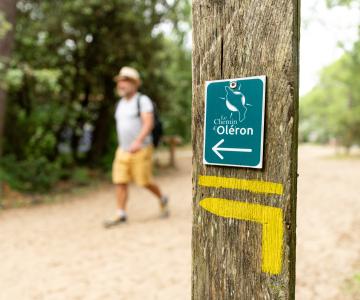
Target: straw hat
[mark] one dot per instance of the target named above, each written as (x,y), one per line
(128,73)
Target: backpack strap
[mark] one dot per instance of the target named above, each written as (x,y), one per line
(138,105)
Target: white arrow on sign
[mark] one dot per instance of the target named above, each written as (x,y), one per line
(216,149)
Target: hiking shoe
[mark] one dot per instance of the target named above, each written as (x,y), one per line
(115,221)
(164,207)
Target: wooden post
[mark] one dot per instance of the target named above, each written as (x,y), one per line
(243,246)
(172,141)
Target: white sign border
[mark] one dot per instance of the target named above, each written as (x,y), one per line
(260,164)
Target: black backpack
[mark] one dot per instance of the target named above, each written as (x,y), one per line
(158,130)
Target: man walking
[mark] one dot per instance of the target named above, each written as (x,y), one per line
(134,117)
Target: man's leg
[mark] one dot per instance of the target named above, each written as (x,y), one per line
(121,190)
(154,188)
(120,173)
(121,196)
(142,173)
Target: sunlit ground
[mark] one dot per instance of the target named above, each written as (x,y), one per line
(60,251)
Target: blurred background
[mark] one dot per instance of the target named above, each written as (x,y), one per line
(57,70)
(58,138)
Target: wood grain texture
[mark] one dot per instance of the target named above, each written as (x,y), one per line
(239,38)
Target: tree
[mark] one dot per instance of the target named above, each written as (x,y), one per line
(60,78)
(332,3)
(332,109)
(7,22)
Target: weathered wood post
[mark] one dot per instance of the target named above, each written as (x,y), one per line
(244,218)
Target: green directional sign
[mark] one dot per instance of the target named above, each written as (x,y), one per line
(234,122)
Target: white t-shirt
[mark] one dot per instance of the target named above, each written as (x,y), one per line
(128,121)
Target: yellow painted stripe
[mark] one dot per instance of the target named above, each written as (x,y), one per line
(271,219)
(255,186)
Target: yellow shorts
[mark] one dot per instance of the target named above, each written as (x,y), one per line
(135,167)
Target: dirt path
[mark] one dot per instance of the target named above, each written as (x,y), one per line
(60,251)
(328,243)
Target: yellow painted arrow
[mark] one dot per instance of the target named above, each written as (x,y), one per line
(271,219)
(254,186)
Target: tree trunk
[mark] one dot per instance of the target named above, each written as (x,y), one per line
(8,7)
(103,123)
(233,39)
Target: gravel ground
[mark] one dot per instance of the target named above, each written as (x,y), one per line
(60,251)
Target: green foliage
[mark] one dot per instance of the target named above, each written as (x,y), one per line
(177,117)
(14,78)
(29,175)
(5,26)
(332,109)
(348,3)
(61,74)
(80,176)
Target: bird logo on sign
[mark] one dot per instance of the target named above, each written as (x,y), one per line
(236,102)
